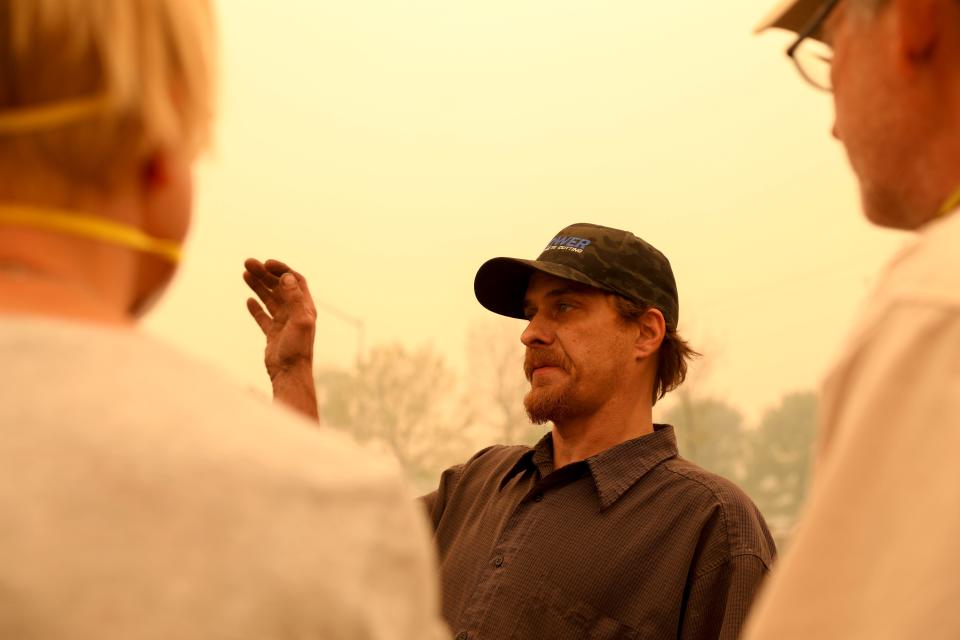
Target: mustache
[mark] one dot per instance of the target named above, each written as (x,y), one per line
(534,359)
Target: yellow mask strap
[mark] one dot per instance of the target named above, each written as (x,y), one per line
(90,227)
(950,204)
(36,118)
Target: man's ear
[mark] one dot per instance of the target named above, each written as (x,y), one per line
(653,329)
(918,28)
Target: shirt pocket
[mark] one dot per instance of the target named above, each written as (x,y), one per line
(550,612)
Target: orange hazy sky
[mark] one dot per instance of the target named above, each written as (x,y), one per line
(386,148)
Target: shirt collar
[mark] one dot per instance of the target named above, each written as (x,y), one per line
(524,462)
(614,470)
(619,468)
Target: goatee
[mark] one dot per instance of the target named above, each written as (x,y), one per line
(546,405)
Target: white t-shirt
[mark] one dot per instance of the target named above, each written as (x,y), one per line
(877,550)
(142,497)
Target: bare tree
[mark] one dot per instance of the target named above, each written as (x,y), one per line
(497,382)
(404,400)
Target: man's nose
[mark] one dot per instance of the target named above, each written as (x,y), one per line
(538,332)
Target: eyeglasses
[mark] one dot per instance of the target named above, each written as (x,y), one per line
(812,56)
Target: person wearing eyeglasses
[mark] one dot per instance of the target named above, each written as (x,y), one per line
(141,496)
(875,553)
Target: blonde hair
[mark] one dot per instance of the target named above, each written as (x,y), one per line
(144,68)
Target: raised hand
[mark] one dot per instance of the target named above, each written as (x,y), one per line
(289,324)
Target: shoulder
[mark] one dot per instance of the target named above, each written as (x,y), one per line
(496,456)
(902,349)
(125,396)
(912,315)
(926,270)
(489,462)
(138,435)
(483,471)
(730,514)
(924,276)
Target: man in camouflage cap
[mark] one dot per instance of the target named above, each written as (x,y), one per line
(600,530)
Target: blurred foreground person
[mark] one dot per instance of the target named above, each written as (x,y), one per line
(141,496)
(601,530)
(875,553)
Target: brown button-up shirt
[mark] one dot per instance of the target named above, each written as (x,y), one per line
(634,542)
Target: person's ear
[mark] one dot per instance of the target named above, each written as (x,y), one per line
(166,194)
(652,330)
(918,28)
(155,171)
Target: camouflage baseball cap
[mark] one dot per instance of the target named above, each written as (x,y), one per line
(608,259)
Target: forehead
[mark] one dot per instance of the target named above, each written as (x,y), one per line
(543,284)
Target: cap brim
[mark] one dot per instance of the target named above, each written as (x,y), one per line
(501,283)
(792,15)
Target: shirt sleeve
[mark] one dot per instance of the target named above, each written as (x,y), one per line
(870,558)
(435,502)
(720,599)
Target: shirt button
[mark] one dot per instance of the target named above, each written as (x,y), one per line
(463,635)
(498,561)
(538,497)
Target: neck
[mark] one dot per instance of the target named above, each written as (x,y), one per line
(23,291)
(46,273)
(580,438)
(951,204)
(942,181)
(937,173)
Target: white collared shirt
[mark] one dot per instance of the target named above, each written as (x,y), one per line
(878,546)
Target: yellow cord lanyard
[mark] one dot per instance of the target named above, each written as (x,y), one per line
(90,227)
(950,204)
(48,116)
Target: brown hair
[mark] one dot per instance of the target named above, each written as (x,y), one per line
(674,354)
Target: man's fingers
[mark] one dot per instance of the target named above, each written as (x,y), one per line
(289,290)
(303,285)
(259,271)
(265,278)
(276,267)
(267,296)
(307,299)
(302,312)
(261,317)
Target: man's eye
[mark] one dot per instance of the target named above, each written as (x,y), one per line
(563,307)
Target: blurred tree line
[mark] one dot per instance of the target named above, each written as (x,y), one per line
(771,461)
(411,403)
